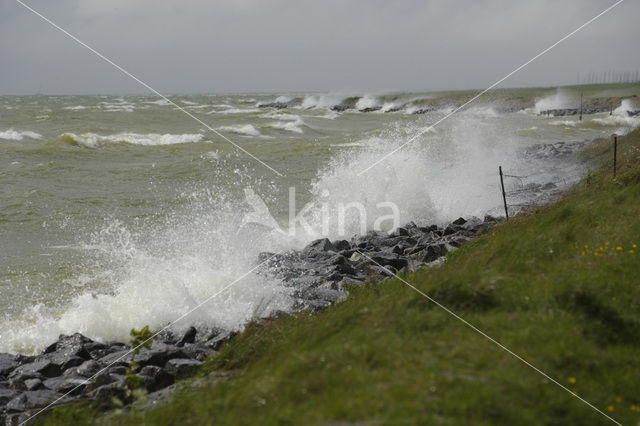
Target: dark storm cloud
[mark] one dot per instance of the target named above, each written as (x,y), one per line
(292,45)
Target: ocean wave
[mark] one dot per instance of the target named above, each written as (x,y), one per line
(92,140)
(17,135)
(235,111)
(75,108)
(567,123)
(241,129)
(559,100)
(289,126)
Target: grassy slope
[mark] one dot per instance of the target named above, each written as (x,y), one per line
(388,355)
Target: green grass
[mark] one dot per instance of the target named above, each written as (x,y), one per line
(552,286)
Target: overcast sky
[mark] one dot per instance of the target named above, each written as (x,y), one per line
(196,46)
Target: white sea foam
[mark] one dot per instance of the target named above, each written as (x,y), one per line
(236,111)
(92,140)
(321,101)
(18,135)
(153,276)
(559,100)
(75,108)
(289,126)
(566,123)
(241,129)
(366,102)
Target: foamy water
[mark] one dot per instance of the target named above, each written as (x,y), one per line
(132,219)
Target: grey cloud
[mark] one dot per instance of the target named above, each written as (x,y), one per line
(288,45)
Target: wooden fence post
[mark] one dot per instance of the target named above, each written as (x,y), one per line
(615,154)
(504,195)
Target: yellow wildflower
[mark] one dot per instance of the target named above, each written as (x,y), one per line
(634,246)
(572,380)
(618,399)
(618,248)
(610,408)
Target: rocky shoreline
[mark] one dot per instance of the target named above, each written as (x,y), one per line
(76,368)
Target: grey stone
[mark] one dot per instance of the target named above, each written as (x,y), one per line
(6,395)
(188,337)
(104,394)
(43,367)
(74,385)
(33,399)
(341,245)
(101,379)
(121,357)
(88,368)
(389,259)
(158,355)
(33,384)
(197,351)
(8,363)
(320,245)
(182,368)
(155,378)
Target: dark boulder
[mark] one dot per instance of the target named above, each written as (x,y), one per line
(188,337)
(33,399)
(389,259)
(182,368)
(88,368)
(155,378)
(341,245)
(105,394)
(158,355)
(33,384)
(122,357)
(6,395)
(66,384)
(42,367)
(459,221)
(8,363)
(320,245)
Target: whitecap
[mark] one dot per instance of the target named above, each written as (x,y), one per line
(241,129)
(16,135)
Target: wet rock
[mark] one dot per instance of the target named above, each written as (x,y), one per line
(119,370)
(18,381)
(320,245)
(399,232)
(341,245)
(105,394)
(182,368)
(65,384)
(42,367)
(33,384)
(188,337)
(103,378)
(218,338)
(158,355)
(459,221)
(121,357)
(389,259)
(8,363)
(198,351)
(155,378)
(33,399)
(88,368)
(6,395)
